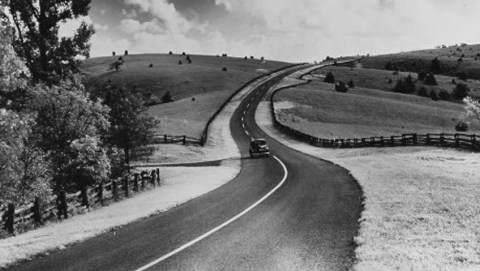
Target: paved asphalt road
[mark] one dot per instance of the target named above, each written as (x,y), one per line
(307,224)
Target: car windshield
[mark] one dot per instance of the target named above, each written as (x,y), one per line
(260,142)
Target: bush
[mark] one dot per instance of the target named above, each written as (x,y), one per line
(167,97)
(423,92)
(460,91)
(329,78)
(444,95)
(224,69)
(151,65)
(430,80)
(341,87)
(351,84)
(153,100)
(126,52)
(454,82)
(433,95)
(390,80)
(435,66)
(170,53)
(421,76)
(405,85)
(180,62)
(461,126)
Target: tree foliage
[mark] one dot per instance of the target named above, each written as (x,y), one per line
(48,56)
(472,108)
(130,126)
(69,125)
(329,78)
(460,91)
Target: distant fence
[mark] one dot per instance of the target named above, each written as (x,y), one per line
(64,205)
(171,139)
(463,141)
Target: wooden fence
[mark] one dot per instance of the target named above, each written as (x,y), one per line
(463,141)
(64,205)
(171,139)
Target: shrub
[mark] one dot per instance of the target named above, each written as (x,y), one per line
(422,92)
(126,52)
(460,60)
(170,53)
(444,95)
(167,97)
(421,76)
(330,78)
(461,126)
(113,53)
(405,85)
(454,82)
(341,87)
(183,53)
(390,80)
(460,91)
(433,95)
(180,62)
(153,100)
(224,69)
(151,65)
(351,84)
(462,75)
(435,66)
(430,80)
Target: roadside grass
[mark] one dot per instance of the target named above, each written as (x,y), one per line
(421,203)
(203,80)
(318,110)
(379,79)
(420,59)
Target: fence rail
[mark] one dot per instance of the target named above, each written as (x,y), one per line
(64,205)
(172,139)
(457,140)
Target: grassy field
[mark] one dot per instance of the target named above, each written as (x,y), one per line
(379,79)
(318,110)
(420,60)
(202,80)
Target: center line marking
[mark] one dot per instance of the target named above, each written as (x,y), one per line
(212,231)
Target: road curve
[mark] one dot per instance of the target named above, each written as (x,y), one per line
(308,224)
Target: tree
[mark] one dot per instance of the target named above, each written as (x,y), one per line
(329,78)
(472,108)
(341,87)
(130,126)
(435,66)
(167,97)
(460,91)
(405,85)
(37,22)
(13,72)
(351,84)
(433,95)
(422,92)
(444,95)
(69,126)
(430,80)
(24,168)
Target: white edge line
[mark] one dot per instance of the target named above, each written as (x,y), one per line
(246,132)
(212,231)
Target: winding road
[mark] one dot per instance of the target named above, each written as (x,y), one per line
(287,212)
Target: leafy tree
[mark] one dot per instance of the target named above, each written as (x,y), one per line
(405,85)
(421,76)
(435,66)
(462,75)
(460,91)
(116,64)
(69,126)
(423,92)
(329,78)
(433,95)
(24,168)
(472,108)
(351,84)
(341,87)
(130,127)
(430,80)
(167,97)
(37,22)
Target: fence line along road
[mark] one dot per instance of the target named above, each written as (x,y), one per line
(63,205)
(457,140)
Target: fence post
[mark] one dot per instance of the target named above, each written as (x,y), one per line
(392,141)
(125,186)
(473,140)
(372,141)
(457,140)
(442,139)
(415,139)
(100,193)
(165,138)
(10,221)
(428,139)
(135,182)
(114,190)
(84,197)
(404,140)
(62,205)
(184,140)
(37,211)
(363,142)
(152,177)
(158,175)
(382,143)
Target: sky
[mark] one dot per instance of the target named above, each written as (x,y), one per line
(288,30)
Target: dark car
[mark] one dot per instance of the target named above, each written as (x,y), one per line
(259,148)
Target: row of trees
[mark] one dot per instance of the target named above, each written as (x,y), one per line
(54,135)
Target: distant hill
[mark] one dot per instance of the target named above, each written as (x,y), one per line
(453,59)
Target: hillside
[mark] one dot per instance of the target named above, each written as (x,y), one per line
(361,112)
(198,89)
(453,59)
